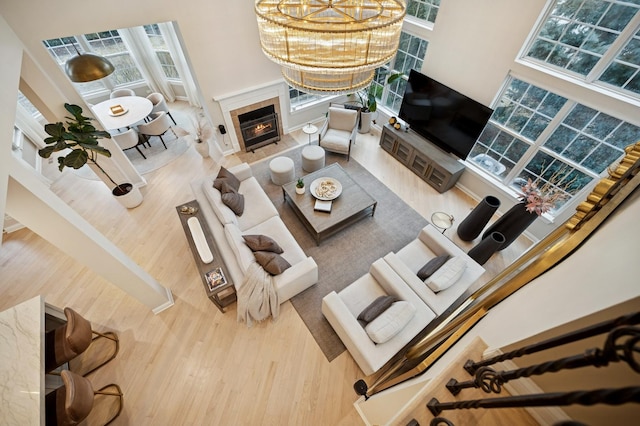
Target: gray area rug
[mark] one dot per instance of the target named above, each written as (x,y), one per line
(347,255)
(157,156)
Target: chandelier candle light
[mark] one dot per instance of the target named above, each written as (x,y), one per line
(329,46)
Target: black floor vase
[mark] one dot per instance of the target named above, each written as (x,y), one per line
(512,224)
(474,223)
(486,247)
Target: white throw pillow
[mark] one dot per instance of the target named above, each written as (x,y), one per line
(447,275)
(390,322)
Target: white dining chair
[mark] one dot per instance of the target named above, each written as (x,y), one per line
(156,127)
(121,92)
(159,104)
(128,140)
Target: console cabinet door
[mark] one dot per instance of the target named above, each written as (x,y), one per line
(419,164)
(388,142)
(403,151)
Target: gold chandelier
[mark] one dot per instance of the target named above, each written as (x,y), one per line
(329,46)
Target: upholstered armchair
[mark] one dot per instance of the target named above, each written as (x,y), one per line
(339,130)
(160,125)
(128,140)
(397,326)
(430,244)
(121,92)
(159,104)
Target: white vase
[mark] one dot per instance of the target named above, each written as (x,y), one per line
(299,190)
(202,147)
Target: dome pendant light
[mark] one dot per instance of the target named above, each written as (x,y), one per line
(87,67)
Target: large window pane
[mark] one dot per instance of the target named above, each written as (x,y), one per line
(159,44)
(577,33)
(423,9)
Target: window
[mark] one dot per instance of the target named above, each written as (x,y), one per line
(593,40)
(299,99)
(162,51)
(534,133)
(110,45)
(424,9)
(411,51)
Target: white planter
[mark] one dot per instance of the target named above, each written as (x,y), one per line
(365,122)
(131,199)
(300,190)
(202,147)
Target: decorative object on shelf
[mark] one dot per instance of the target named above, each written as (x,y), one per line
(329,47)
(486,247)
(81,138)
(87,67)
(474,223)
(393,120)
(300,186)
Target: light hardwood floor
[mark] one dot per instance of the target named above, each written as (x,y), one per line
(191,364)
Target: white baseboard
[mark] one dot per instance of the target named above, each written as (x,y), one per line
(545,416)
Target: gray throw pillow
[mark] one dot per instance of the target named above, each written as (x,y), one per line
(375,308)
(234,201)
(262,243)
(432,266)
(225,176)
(272,262)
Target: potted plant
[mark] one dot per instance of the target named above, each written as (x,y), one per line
(300,186)
(369,103)
(81,137)
(202,133)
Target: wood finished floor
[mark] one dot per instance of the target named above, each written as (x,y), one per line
(191,364)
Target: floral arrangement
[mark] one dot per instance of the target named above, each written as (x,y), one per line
(540,200)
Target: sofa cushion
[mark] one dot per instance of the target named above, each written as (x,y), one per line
(225,176)
(262,243)
(376,307)
(223,213)
(272,262)
(275,228)
(242,253)
(342,119)
(232,199)
(258,207)
(390,322)
(447,275)
(431,266)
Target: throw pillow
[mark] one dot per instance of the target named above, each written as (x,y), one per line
(433,265)
(390,322)
(272,262)
(225,175)
(375,308)
(234,201)
(262,243)
(447,275)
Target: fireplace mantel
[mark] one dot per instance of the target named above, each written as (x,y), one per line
(275,93)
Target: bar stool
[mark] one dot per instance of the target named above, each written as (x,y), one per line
(72,339)
(73,402)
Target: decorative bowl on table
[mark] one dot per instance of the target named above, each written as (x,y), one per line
(325,188)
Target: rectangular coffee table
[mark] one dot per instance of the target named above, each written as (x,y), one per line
(353,204)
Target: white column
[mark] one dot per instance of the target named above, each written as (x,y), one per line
(31,203)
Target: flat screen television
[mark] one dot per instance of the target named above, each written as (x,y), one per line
(447,118)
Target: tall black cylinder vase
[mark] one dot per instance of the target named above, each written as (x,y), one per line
(474,223)
(486,247)
(512,224)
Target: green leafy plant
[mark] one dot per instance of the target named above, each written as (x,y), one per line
(81,137)
(367,96)
(300,183)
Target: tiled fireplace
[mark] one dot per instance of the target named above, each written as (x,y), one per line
(258,127)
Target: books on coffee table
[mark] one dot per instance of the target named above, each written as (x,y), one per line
(323,206)
(215,278)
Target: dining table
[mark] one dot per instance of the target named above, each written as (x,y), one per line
(122,112)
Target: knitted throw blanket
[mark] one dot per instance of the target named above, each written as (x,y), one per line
(257,297)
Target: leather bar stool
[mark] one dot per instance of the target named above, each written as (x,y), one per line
(68,341)
(73,402)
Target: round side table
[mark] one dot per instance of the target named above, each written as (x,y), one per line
(310,129)
(442,220)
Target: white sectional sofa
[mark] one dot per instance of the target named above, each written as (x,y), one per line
(260,217)
(342,309)
(396,274)
(429,244)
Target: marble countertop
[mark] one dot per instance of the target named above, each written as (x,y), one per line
(22,366)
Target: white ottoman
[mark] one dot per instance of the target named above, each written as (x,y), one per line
(281,169)
(312,158)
